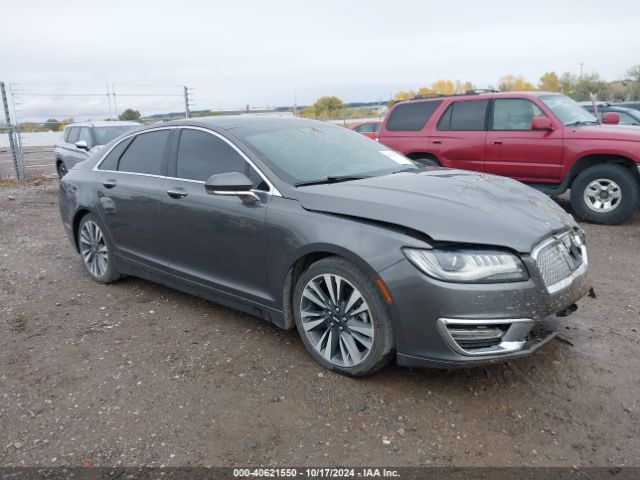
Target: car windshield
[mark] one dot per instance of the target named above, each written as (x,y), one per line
(568,111)
(104,135)
(315,152)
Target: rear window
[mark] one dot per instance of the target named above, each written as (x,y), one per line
(145,154)
(465,116)
(411,116)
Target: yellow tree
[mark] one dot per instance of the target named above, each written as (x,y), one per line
(404,95)
(549,82)
(443,87)
(510,83)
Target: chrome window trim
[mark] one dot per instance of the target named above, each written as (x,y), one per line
(272,189)
(578,272)
(513,340)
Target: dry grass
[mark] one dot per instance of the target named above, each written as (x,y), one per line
(30,182)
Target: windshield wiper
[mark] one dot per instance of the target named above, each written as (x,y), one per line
(582,122)
(331,179)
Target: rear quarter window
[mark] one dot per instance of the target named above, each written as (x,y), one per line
(411,116)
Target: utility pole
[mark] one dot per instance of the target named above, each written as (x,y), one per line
(115,105)
(187,112)
(295,103)
(581,65)
(16,153)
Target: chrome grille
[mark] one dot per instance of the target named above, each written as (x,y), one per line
(558,258)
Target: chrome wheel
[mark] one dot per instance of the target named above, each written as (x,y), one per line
(336,320)
(602,195)
(94,249)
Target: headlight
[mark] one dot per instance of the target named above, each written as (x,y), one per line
(468,266)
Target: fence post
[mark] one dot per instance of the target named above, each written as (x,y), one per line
(187,112)
(16,152)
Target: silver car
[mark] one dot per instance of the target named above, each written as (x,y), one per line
(80,139)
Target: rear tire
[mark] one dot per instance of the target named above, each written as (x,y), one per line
(342,318)
(96,250)
(61,168)
(607,193)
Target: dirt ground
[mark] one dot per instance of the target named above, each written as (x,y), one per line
(137,374)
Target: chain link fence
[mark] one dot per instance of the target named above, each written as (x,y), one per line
(27,142)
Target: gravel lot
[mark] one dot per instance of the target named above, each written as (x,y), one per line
(137,374)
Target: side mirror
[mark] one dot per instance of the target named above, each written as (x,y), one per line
(541,123)
(611,117)
(82,145)
(232,183)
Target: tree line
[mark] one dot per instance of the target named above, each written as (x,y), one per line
(578,87)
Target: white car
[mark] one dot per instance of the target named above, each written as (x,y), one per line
(81,139)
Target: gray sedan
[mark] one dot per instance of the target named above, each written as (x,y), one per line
(311,225)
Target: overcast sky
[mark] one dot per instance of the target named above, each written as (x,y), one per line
(239,52)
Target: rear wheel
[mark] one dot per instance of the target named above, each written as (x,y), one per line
(607,193)
(96,250)
(62,169)
(342,319)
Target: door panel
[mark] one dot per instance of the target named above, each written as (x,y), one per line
(129,195)
(459,139)
(216,241)
(514,150)
(130,210)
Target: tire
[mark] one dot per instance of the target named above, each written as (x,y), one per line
(427,162)
(343,331)
(607,193)
(96,250)
(61,168)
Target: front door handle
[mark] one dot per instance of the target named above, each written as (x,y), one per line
(177,193)
(437,142)
(109,183)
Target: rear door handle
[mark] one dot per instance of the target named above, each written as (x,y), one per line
(109,183)
(497,142)
(437,142)
(177,193)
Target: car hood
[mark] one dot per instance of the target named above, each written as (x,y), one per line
(605,132)
(446,205)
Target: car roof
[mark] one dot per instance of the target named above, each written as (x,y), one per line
(464,96)
(232,122)
(105,123)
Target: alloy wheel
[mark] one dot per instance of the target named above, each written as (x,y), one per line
(336,320)
(602,195)
(94,249)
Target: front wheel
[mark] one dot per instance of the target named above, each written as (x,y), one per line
(607,193)
(342,319)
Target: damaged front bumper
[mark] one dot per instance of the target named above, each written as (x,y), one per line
(446,325)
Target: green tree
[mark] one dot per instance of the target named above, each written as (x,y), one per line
(549,82)
(52,125)
(328,107)
(129,114)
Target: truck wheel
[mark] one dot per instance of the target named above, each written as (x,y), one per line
(607,193)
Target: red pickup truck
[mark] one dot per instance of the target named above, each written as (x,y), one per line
(543,139)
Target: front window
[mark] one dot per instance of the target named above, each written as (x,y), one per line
(568,111)
(104,135)
(304,153)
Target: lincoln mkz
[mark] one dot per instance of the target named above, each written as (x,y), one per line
(307,224)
